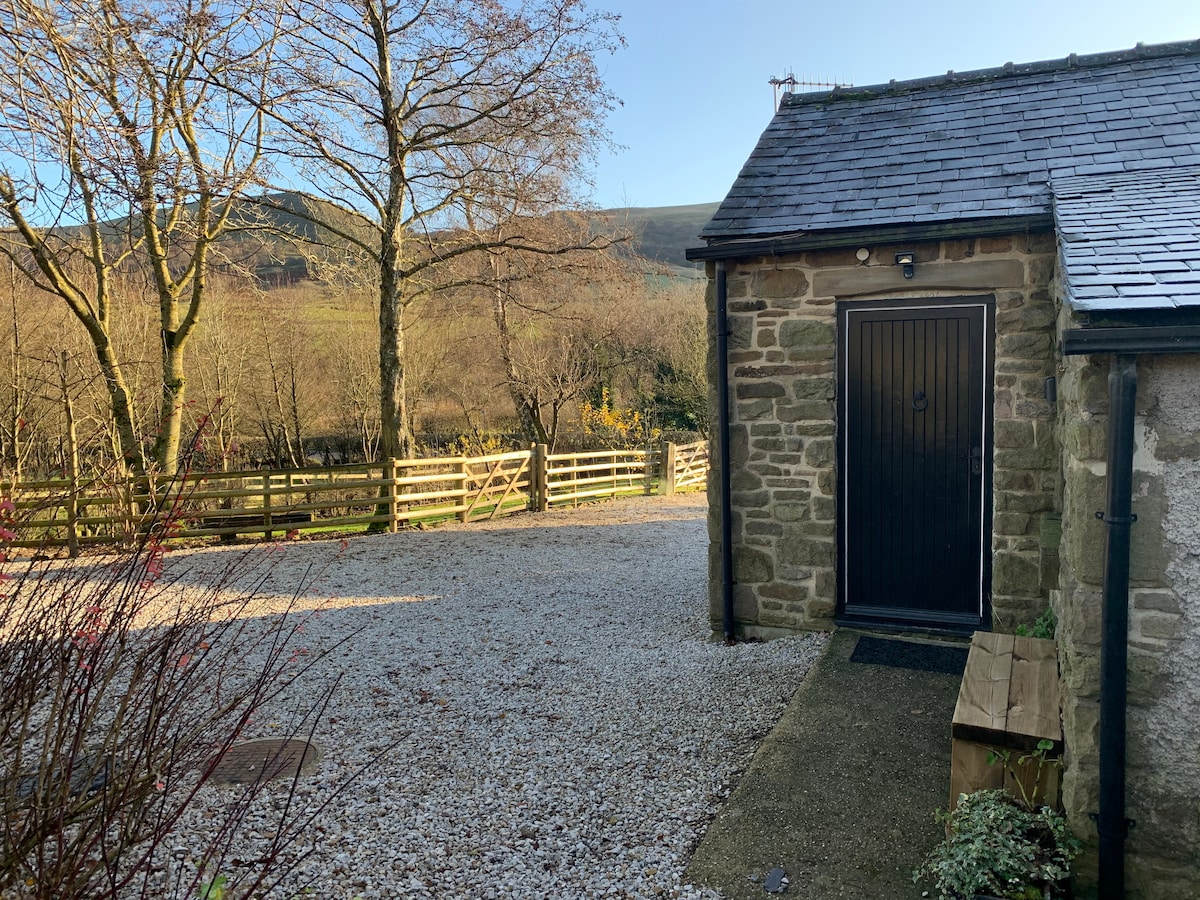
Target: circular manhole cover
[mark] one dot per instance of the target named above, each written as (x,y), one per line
(259,761)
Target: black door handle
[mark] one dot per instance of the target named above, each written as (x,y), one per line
(976,460)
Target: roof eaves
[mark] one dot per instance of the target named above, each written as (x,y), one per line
(828,239)
(1131,340)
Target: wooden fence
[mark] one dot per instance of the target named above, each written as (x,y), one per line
(386,495)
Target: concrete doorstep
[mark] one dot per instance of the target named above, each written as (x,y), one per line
(841,794)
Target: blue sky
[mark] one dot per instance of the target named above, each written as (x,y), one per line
(694,77)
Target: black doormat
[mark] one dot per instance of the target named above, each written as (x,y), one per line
(910,655)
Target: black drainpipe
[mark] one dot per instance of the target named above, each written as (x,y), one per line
(723,454)
(1111,823)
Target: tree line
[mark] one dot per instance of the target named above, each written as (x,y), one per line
(287,376)
(438,148)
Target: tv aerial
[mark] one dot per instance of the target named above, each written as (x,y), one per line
(790,84)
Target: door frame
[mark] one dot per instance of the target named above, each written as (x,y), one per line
(886,617)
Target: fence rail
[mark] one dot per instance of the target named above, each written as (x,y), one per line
(389,495)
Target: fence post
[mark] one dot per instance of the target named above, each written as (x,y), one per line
(130,512)
(393,473)
(152,501)
(268,533)
(541,477)
(535,476)
(666,484)
(465,515)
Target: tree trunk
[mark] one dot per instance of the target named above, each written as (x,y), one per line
(527,407)
(72,460)
(122,404)
(296,443)
(395,439)
(170,421)
(15,376)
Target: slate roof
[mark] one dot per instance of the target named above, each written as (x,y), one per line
(976,145)
(1130,241)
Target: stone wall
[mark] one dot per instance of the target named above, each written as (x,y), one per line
(782,323)
(1163,756)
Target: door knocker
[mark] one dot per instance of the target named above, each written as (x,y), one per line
(919,401)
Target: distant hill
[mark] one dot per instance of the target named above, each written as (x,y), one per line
(661,233)
(665,232)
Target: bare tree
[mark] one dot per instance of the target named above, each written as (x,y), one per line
(224,349)
(31,399)
(656,355)
(129,128)
(13,427)
(286,378)
(556,370)
(412,104)
(357,388)
(540,327)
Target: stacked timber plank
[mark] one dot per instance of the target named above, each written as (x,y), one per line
(1007,706)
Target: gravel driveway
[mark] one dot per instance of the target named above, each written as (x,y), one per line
(559,722)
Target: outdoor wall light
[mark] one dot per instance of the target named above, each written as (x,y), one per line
(908,259)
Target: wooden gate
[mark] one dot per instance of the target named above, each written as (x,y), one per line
(914,472)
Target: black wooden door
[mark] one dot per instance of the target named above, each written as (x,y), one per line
(915,462)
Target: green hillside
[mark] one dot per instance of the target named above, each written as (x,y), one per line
(665,232)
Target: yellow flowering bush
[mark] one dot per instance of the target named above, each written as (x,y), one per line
(615,426)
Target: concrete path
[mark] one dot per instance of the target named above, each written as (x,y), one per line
(841,794)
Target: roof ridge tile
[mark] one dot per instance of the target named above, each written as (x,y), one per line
(1072,62)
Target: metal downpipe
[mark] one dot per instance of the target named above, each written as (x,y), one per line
(724,482)
(1111,823)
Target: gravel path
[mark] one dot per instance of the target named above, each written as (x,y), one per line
(553,717)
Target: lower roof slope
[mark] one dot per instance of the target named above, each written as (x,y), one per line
(976,145)
(1130,241)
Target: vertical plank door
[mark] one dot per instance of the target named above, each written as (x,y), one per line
(914,467)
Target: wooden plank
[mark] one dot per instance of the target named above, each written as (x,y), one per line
(609,470)
(524,455)
(589,487)
(1023,780)
(596,479)
(1034,649)
(856,281)
(969,769)
(981,713)
(599,455)
(1033,704)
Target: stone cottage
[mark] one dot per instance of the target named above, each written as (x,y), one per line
(956,360)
